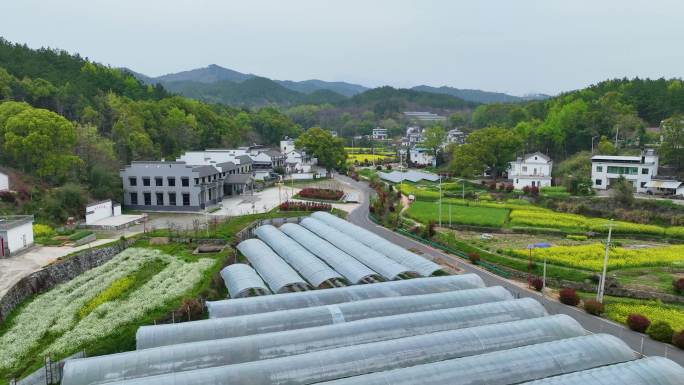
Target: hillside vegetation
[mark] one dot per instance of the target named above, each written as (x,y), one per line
(69,124)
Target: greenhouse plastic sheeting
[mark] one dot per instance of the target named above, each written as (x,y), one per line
(276,272)
(239,278)
(646,371)
(211,329)
(406,258)
(508,366)
(388,268)
(417,286)
(353,270)
(311,268)
(228,351)
(309,368)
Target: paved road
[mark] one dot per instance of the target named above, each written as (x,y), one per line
(636,341)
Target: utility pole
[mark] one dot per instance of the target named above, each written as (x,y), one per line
(440,200)
(602,282)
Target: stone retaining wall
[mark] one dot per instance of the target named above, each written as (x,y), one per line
(56,273)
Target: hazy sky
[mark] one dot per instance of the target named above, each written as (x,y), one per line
(515,46)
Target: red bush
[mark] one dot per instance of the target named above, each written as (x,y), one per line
(474,258)
(492,185)
(593,306)
(321,193)
(678,339)
(537,283)
(638,322)
(7,196)
(569,296)
(305,206)
(678,285)
(502,186)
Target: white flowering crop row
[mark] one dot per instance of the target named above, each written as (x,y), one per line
(50,323)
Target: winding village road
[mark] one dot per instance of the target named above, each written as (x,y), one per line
(637,341)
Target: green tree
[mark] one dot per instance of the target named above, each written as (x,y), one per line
(623,191)
(457,120)
(606,147)
(40,142)
(672,148)
(491,148)
(434,138)
(328,149)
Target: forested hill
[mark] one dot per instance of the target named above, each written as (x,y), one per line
(565,124)
(67,121)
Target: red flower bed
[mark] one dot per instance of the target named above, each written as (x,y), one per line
(321,193)
(305,206)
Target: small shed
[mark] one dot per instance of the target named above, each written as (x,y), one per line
(16,234)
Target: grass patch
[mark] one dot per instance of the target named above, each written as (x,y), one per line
(79,235)
(468,215)
(618,308)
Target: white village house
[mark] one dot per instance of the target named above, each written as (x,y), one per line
(638,170)
(531,170)
(16,234)
(421,156)
(4,181)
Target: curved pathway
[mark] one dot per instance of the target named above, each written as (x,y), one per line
(637,341)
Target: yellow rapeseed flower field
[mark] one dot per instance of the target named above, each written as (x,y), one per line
(590,257)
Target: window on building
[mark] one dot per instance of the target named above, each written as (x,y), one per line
(160,199)
(643,185)
(524,168)
(623,170)
(599,168)
(644,171)
(146,181)
(196,181)
(132,181)
(172,199)
(147,197)
(158,181)
(134,198)
(210,195)
(185,182)
(186,199)
(171,181)
(598,182)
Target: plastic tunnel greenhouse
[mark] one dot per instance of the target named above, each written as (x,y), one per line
(240,279)
(170,334)
(310,368)
(315,271)
(508,366)
(276,272)
(417,286)
(646,371)
(376,261)
(353,270)
(406,258)
(204,354)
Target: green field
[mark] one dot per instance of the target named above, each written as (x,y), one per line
(469,215)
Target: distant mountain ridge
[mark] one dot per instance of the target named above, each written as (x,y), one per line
(216,84)
(479,96)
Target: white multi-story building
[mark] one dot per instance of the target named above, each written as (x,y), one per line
(414,134)
(421,156)
(4,182)
(380,133)
(287,145)
(638,170)
(532,170)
